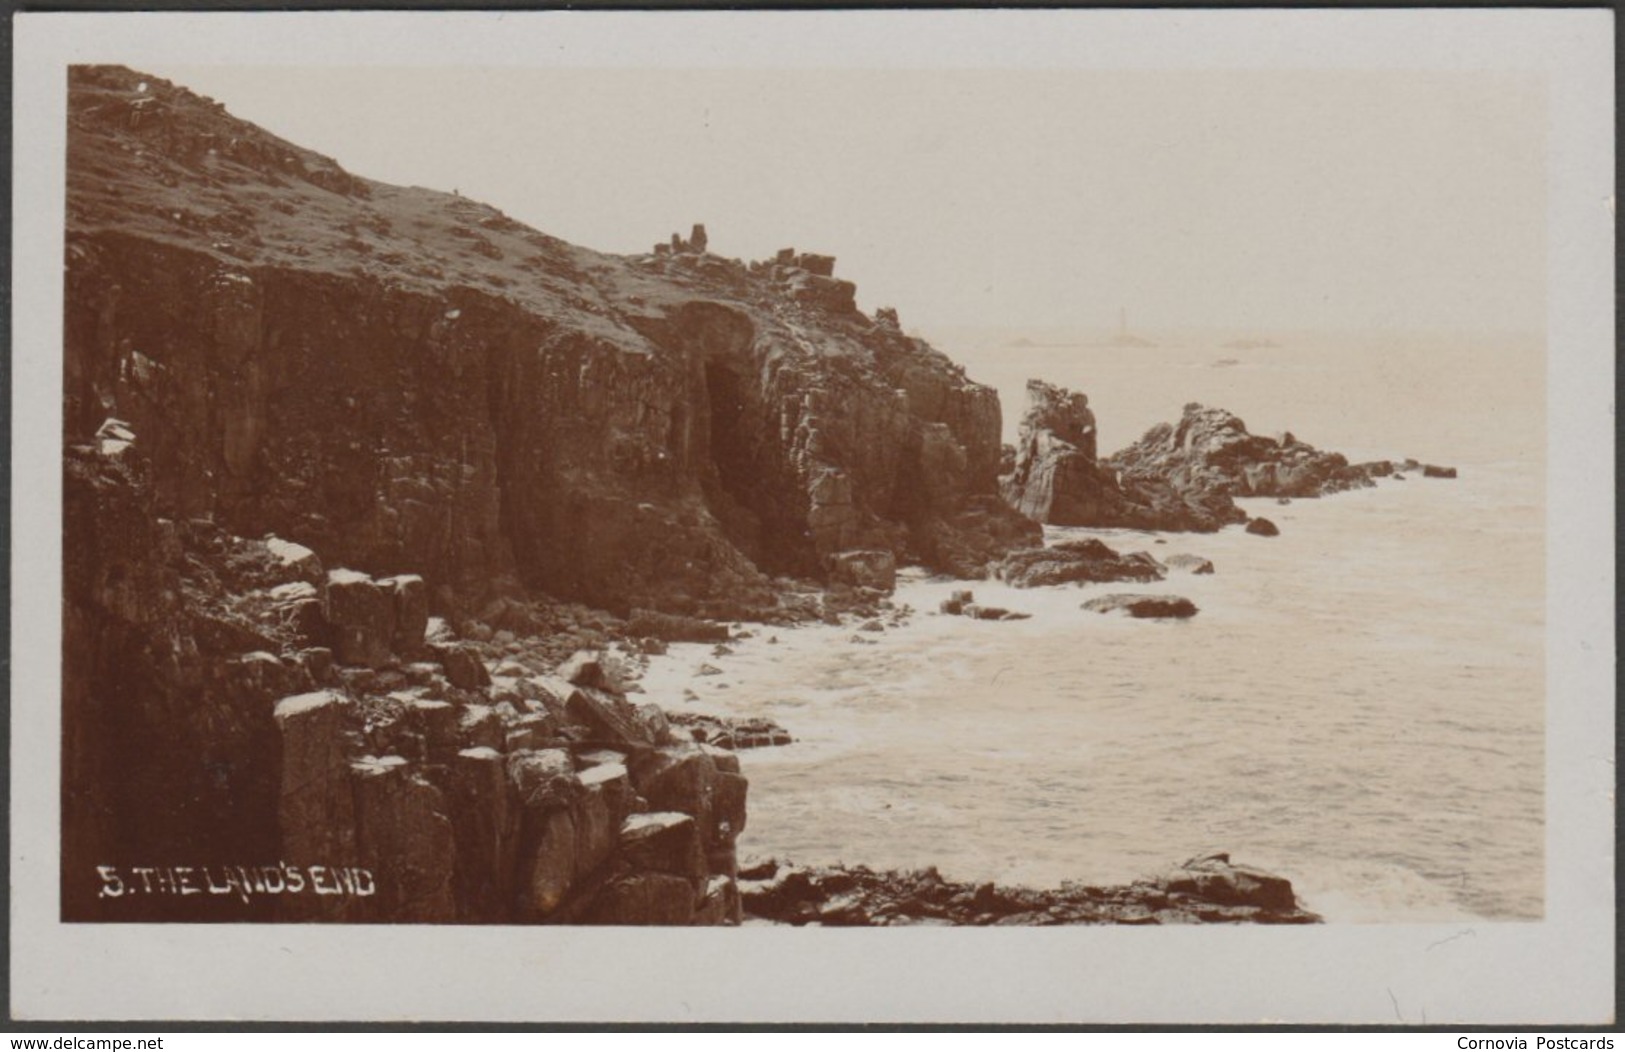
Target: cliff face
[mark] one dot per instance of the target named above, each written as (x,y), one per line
(305,411)
(402,378)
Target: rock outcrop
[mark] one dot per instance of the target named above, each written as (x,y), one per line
(1180,476)
(1055,478)
(1203,890)
(1211,451)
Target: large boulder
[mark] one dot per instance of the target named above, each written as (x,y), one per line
(666,842)
(405,839)
(484,819)
(655,899)
(362,616)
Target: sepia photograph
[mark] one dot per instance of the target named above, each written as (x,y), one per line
(540,495)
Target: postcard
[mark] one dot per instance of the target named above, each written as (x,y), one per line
(912,516)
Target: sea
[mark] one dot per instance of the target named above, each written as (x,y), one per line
(1359,704)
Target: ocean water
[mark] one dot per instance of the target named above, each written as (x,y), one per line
(1359,705)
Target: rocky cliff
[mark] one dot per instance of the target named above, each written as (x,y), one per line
(337,451)
(402,378)
(252,736)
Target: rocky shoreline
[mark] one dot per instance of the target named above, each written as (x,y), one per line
(376,501)
(1207,889)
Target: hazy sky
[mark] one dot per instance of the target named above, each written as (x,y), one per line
(1240,200)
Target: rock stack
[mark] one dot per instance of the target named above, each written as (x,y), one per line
(1180,476)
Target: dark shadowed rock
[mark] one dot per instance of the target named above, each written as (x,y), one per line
(410,598)
(585,669)
(362,616)
(661,899)
(720,904)
(405,838)
(1433,471)
(1263,527)
(1149,606)
(547,863)
(484,826)
(463,666)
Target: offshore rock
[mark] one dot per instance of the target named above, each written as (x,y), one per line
(1180,476)
(1055,478)
(1146,606)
